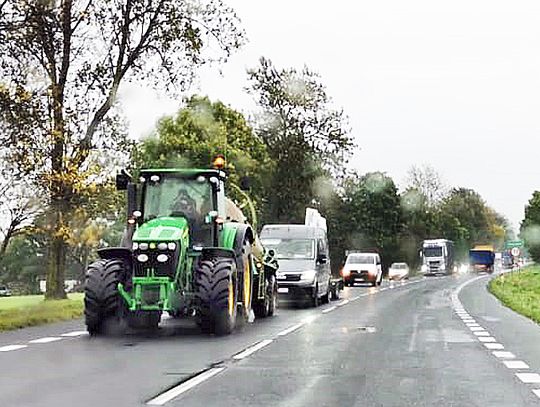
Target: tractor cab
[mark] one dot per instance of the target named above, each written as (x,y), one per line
(195,197)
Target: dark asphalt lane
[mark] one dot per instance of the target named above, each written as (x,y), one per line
(399,346)
(418,354)
(122,371)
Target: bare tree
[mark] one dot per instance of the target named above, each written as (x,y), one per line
(428,182)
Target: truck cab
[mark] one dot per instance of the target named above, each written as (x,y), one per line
(437,257)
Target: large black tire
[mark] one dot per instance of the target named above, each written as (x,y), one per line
(245,270)
(104,309)
(335,293)
(325,299)
(216,293)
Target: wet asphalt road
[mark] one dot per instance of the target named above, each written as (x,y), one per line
(403,344)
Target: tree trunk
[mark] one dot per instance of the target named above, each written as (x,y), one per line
(56,265)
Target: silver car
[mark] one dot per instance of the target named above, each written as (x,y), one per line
(398,271)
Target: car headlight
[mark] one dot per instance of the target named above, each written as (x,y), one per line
(162,258)
(346,273)
(424,268)
(142,258)
(308,275)
(280,276)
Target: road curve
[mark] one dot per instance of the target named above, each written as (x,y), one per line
(405,344)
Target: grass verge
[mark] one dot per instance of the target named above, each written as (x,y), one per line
(30,310)
(519,291)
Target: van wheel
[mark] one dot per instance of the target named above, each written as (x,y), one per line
(315,298)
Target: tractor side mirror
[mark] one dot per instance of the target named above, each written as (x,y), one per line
(122,180)
(245,183)
(211,217)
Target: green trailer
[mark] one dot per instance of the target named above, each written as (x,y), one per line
(188,251)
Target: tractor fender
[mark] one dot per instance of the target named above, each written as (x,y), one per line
(109,253)
(243,233)
(213,252)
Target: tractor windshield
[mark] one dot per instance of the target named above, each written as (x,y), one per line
(191,198)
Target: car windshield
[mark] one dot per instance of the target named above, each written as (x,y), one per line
(360,259)
(178,196)
(432,251)
(289,249)
(399,266)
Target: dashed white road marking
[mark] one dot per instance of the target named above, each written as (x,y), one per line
(476,328)
(253,349)
(536,392)
(515,364)
(487,339)
(290,329)
(354,298)
(8,348)
(182,388)
(529,377)
(504,354)
(327,310)
(482,333)
(472,324)
(342,303)
(47,339)
(74,334)
(493,346)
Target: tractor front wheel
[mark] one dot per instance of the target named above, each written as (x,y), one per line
(216,293)
(104,309)
(266,307)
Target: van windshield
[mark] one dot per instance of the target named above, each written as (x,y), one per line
(289,249)
(361,259)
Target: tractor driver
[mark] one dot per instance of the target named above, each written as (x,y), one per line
(184,205)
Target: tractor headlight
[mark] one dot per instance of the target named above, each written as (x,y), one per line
(308,275)
(171,246)
(142,258)
(143,246)
(135,246)
(162,258)
(162,246)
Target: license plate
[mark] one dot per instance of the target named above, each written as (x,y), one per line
(358,279)
(283,290)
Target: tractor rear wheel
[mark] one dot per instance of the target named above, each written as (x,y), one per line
(216,292)
(104,309)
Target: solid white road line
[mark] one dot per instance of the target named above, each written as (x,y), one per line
(515,364)
(290,329)
(493,346)
(47,339)
(252,349)
(182,388)
(74,334)
(327,310)
(529,377)
(487,339)
(504,354)
(8,348)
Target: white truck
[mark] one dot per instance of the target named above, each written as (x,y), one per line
(437,257)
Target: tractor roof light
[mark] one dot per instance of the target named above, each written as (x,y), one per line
(219,162)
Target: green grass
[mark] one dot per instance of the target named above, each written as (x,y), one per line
(30,310)
(519,291)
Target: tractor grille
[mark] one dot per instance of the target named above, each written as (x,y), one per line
(154,267)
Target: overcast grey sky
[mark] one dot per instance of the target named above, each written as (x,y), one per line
(454,84)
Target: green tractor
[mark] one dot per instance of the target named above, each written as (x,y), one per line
(187,250)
